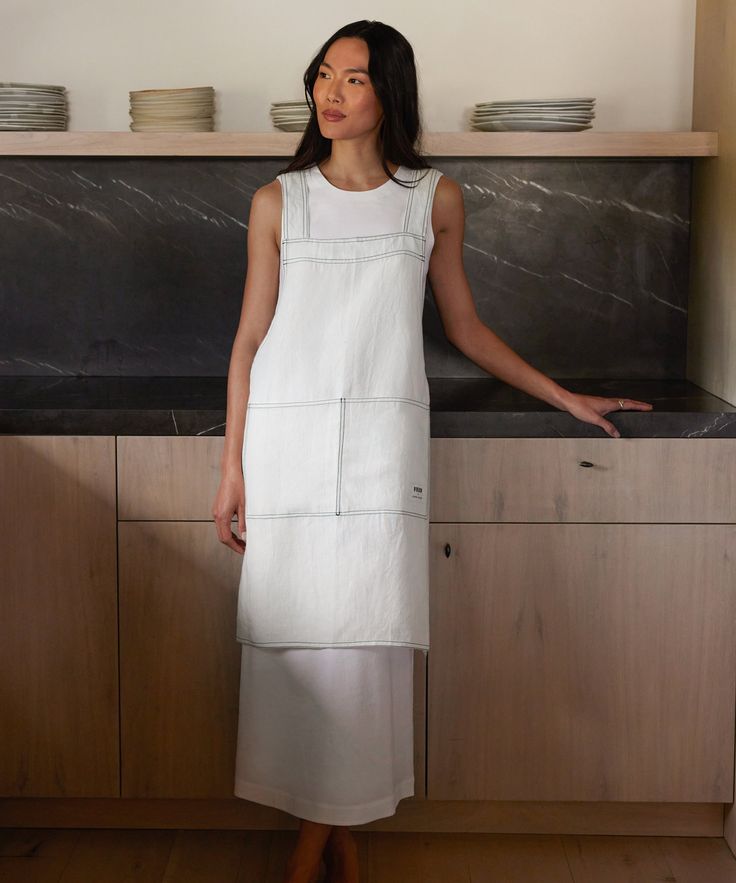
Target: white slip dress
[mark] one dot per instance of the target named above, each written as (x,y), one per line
(326,734)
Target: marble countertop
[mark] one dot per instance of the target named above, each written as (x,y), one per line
(460,407)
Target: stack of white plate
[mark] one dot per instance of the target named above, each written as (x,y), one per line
(173,110)
(31,106)
(534,115)
(291,116)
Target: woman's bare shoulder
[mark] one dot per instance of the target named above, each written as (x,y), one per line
(266,208)
(448,190)
(448,207)
(269,195)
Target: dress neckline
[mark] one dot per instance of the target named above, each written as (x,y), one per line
(318,172)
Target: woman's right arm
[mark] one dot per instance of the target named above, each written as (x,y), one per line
(259,304)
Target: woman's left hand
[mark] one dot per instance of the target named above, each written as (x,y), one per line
(590,409)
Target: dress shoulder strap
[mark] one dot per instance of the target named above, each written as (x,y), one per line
(419,203)
(294,205)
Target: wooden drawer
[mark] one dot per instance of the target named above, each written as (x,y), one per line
(162,478)
(544,479)
(654,480)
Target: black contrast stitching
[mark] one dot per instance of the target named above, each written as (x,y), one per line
(305,203)
(284,216)
(428,206)
(389,399)
(289,404)
(346,399)
(291,515)
(371,238)
(409,202)
(343,512)
(375,257)
(339,455)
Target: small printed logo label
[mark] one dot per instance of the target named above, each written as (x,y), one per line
(416,492)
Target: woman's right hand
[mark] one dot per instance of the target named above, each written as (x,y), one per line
(230,499)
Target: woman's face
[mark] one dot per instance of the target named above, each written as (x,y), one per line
(343,86)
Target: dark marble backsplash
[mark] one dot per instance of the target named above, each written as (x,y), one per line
(135,266)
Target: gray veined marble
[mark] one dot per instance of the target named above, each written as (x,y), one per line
(460,407)
(122,282)
(135,266)
(580,265)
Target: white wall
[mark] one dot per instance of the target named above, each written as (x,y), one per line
(634,56)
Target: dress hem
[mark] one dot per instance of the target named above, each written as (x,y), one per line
(320,645)
(325,813)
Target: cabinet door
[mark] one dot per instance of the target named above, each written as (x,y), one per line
(168,477)
(179,660)
(58,628)
(582,662)
(654,480)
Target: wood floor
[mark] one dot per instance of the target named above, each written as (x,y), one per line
(48,855)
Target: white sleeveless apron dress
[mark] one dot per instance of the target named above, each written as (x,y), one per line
(334,595)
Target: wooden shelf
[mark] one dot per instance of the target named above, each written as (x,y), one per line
(283,144)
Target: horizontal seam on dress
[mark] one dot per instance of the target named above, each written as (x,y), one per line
(348,399)
(375,257)
(342,512)
(372,238)
(341,440)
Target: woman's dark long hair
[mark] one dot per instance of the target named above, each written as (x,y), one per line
(393,74)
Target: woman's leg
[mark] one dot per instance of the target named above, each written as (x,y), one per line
(341,856)
(303,864)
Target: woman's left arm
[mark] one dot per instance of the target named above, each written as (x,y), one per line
(465,329)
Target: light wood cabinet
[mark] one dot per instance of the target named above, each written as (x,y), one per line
(58,628)
(582,620)
(168,478)
(179,660)
(659,480)
(582,662)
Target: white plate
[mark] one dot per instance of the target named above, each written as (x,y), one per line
(546,108)
(193,90)
(47,98)
(502,117)
(36,111)
(32,127)
(172,108)
(193,126)
(291,127)
(521,101)
(19,94)
(40,117)
(165,120)
(170,102)
(41,105)
(33,87)
(289,114)
(531,126)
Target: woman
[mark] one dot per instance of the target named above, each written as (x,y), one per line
(343,240)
